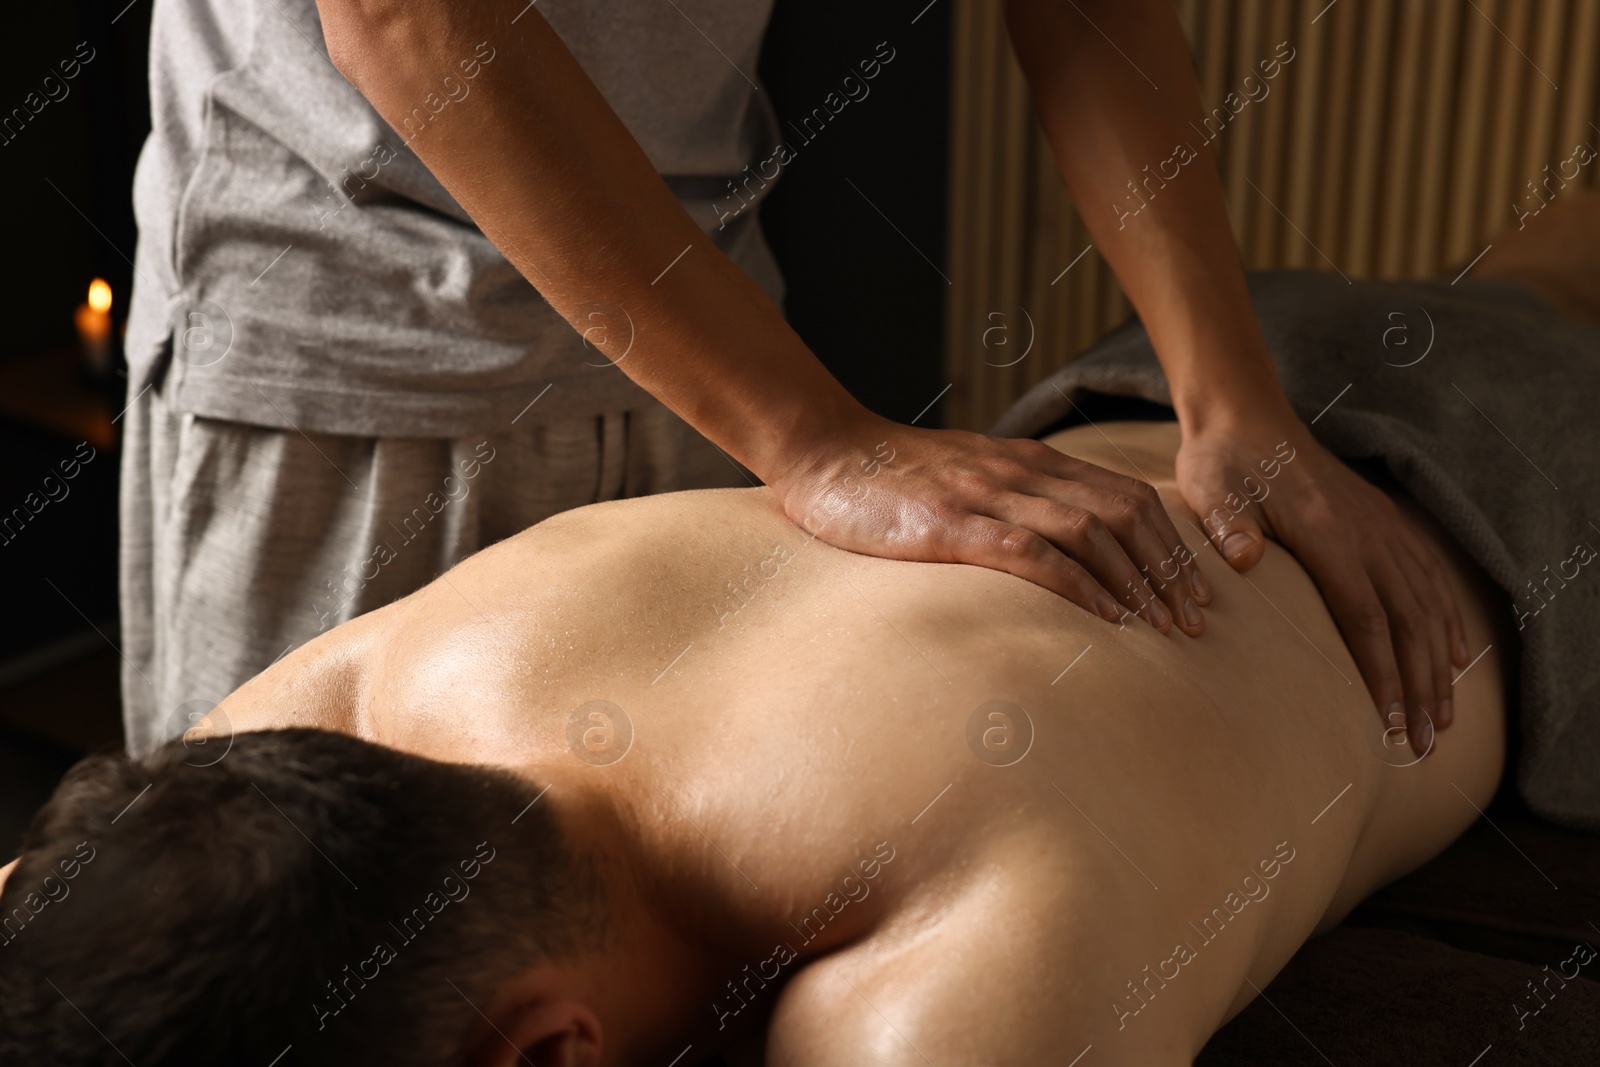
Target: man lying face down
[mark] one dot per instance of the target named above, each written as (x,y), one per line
(597,796)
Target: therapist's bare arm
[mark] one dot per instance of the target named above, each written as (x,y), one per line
(1116,90)
(553,177)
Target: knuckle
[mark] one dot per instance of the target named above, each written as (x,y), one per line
(1082,524)
(952,543)
(1320,514)
(1370,620)
(1128,509)
(1008,470)
(1022,543)
(1035,449)
(1143,492)
(968,482)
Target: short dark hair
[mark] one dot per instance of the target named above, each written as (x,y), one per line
(309,889)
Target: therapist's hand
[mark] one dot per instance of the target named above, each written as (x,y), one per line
(1264,475)
(949,496)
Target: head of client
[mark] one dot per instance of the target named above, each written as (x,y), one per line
(309,890)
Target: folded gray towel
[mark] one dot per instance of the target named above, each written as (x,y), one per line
(1482,403)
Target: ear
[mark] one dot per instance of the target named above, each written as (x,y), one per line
(541,1031)
(5,872)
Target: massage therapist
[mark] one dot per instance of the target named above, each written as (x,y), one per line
(415,275)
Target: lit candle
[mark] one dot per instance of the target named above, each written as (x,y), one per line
(94,328)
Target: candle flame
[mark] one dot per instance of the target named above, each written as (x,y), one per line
(100,295)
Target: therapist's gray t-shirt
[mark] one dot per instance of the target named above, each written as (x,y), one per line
(388,312)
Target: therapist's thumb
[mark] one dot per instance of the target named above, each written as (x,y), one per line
(1237,537)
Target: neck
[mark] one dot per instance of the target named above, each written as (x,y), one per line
(660,979)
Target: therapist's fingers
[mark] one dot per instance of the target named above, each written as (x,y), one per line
(1158,558)
(1445,595)
(1439,604)
(1096,534)
(1412,622)
(1175,564)
(1013,505)
(1006,546)
(1353,601)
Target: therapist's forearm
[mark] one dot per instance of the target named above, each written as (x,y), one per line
(1175,257)
(552,176)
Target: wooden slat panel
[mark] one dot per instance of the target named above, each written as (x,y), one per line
(1308,71)
(1580,105)
(1271,162)
(1366,138)
(1012,220)
(1439,109)
(1397,200)
(1238,139)
(1040,299)
(1395,143)
(1508,169)
(1341,25)
(1474,84)
(984,150)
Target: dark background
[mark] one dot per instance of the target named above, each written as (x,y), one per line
(861,295)
(85,145)
(66,179)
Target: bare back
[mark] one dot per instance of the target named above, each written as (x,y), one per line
(1069,808)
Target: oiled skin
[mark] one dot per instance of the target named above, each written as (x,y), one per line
(777,746)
